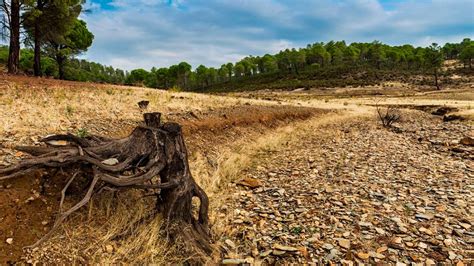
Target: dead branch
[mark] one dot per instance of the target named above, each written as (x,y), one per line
(153,156)
(390,116)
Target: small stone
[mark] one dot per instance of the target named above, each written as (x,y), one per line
(422,245)
(109,248)
(465,226)
(238,221)
(429,262)
(344,243)
(441,208)
(250,182)
(29,199)
(44,222)
(397,240)
(285,248)
(382,249)
(423,216)
(452,255)
(365,224)
(396,220)
(448,242)
(380,230)
(110,161)
(376,255)
(363,256)
(458,232)
(278,252)
(265,253)
(9,241)
(426,231)
(332,254)
(327,246)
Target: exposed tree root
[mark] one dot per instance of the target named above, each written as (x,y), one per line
(153,156)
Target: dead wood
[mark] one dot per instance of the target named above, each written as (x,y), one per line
(152,157)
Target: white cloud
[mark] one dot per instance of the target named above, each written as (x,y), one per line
(146,33)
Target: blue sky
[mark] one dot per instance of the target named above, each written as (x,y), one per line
(144,33)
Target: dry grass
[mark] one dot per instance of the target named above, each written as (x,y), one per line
(120,220)
(27,111)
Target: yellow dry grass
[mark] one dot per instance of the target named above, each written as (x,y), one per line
(27,111)
(116,227)
(136,239)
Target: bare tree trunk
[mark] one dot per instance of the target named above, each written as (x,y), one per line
(37,43)
(37,50)
(14,49)
(436,78)
(60,60)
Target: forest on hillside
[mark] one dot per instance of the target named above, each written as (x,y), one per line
(319,61)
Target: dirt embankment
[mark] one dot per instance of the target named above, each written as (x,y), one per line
(28,205)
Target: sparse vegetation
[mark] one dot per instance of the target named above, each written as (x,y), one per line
(389,116)
(82,133)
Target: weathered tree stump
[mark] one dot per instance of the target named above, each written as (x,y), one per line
(153,156)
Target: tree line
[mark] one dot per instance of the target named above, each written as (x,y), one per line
(53,34)
(49,28)
(314,57)
(73,69)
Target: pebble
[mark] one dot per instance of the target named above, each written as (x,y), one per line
(452,255)
(423,216)
(327,246)
(109,248)
(360,190)
(285,248)
(344,243)
(9,241)
(363,255)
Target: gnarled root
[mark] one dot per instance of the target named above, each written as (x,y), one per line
(153,156)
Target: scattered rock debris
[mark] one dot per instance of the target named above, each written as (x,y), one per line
(356,192)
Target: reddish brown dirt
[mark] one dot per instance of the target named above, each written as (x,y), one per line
(26,221)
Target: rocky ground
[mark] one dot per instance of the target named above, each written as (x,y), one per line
(357,192)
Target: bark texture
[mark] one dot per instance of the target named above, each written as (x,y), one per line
(14,48)
(153,156)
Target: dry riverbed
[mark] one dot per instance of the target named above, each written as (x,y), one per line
(353,191)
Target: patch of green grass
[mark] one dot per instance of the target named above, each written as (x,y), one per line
(296,230)
(82,133)
(69,111)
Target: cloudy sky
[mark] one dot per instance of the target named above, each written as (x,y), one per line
(144,33)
